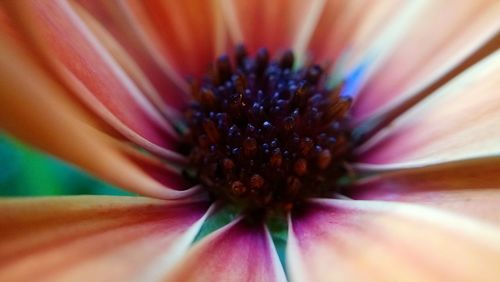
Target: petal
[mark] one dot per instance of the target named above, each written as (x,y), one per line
(7,24)
(275,25)
(112,27)
(93,238)
(481,204)
(236,252)
(92,74)
(469,187)
(38,111)
(339,240)
(187,34)
(156,168)
(426,50)
(477,173)
(457,122)
(351,26)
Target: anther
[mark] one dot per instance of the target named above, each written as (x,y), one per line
(240,55)
(276,159)
(287,59)
(223,68)
(249,146)
(203,141)
(288,123)
(227,164)
(256,181)
(313,74)
(300,167)
(211,130)
(238,188)
(293,186)
(207,97)
(261,61)
(305,146)
(324,159)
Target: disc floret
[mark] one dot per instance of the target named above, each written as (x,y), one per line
(264,135)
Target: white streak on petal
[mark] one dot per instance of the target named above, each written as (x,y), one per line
(483,233)
(149,44)
(116,69)
(232,22)
(294,259)
(307,29)
(164,264)
(456,122)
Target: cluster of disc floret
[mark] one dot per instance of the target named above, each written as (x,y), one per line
(265,135)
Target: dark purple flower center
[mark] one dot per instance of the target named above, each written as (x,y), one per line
(264,135)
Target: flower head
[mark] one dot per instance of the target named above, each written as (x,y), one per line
(367,152)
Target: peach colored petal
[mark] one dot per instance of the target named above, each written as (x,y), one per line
(370,127)
(276,25)
(93,238)
(457,122)
(469,187)
(38,111)
(345,240)
(426,50)
(479,173)
(236,252)
(480,203)
(91,73)
(111,24)
(187,34)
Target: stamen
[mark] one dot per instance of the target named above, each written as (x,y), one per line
(264,135)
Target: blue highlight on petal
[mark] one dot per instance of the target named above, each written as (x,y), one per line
(353,81)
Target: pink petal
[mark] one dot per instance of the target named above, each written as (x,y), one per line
(37,110)
(236,252)
(345,240)
(93,238)
(91,73)
(469,187)
(187,34)
(111,24)
(457,122)
(451,31)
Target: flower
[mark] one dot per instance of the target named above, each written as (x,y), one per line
(102,85)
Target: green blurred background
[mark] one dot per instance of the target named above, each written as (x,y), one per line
(25,171)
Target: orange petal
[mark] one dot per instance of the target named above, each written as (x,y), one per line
(235,252)
(275,25)
(426,50)
(457,122)
(91,73)
(187,34)
(38,111)
(350,26)
(93,238)
(7,24)
(345,240)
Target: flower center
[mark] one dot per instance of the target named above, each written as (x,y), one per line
(264,135)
